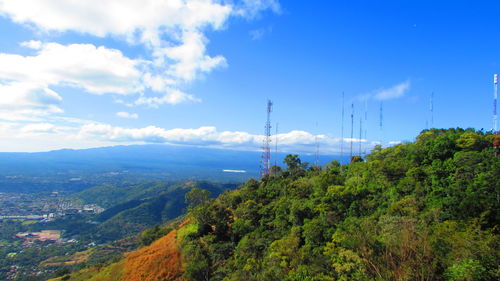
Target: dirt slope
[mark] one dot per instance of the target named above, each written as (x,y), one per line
(160,261)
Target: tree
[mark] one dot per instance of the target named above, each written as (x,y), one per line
(196,196)
(292,162)
(295,166)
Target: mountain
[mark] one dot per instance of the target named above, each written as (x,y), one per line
(426,210)
(76,170)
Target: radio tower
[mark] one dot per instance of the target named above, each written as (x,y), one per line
(380,123)
(316,160)
(366,124)
(276,147)
(495,97)
(360,134)
(266,149)
(342,134)
(352,127)
(431,108)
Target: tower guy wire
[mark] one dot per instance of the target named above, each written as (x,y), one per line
(266,150)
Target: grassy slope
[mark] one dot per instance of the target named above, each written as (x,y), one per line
(159,261)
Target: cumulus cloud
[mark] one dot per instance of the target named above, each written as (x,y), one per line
(39,128)
(97,70)
(293,141)
(26,81)
(393,92)
(117,17)
(172,96)
(172,31)
(27,101)
(124,114)
(153,134)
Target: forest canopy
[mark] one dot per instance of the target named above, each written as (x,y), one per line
(423,210)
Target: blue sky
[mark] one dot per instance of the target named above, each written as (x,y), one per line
(199,72)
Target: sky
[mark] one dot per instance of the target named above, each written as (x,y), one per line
(80,74)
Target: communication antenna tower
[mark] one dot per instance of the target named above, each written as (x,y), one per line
(495,97)
(352,127)
(266,150)
(316,160)
(381,122)
(276,147)
(431,108)
(360,133)
(366,124)
(342,133)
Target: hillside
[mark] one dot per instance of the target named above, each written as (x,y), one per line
(131,209)
(426,210)
(159,261)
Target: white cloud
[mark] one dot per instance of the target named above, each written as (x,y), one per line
(32,44)
(27,101)
(190,58)
(124,114)
(172,32)
(118,17)
(39,128)
(63,132)
(26,81)
(393,92)
(172,96)
(97,70)
(294,141)
(251,8)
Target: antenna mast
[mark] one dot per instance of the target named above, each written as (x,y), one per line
(342,133)
(366,124)
(380,123)
(360,133)
(495,97)
(316,160)
(276,146)
(266,150)
(352,127)
(432,109)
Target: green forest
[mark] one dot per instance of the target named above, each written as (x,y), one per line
(423,210)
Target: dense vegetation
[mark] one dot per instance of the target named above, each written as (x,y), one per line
(426,210)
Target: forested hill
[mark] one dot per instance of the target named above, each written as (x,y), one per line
(426,210)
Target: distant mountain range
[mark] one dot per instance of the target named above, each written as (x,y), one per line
(76,170)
